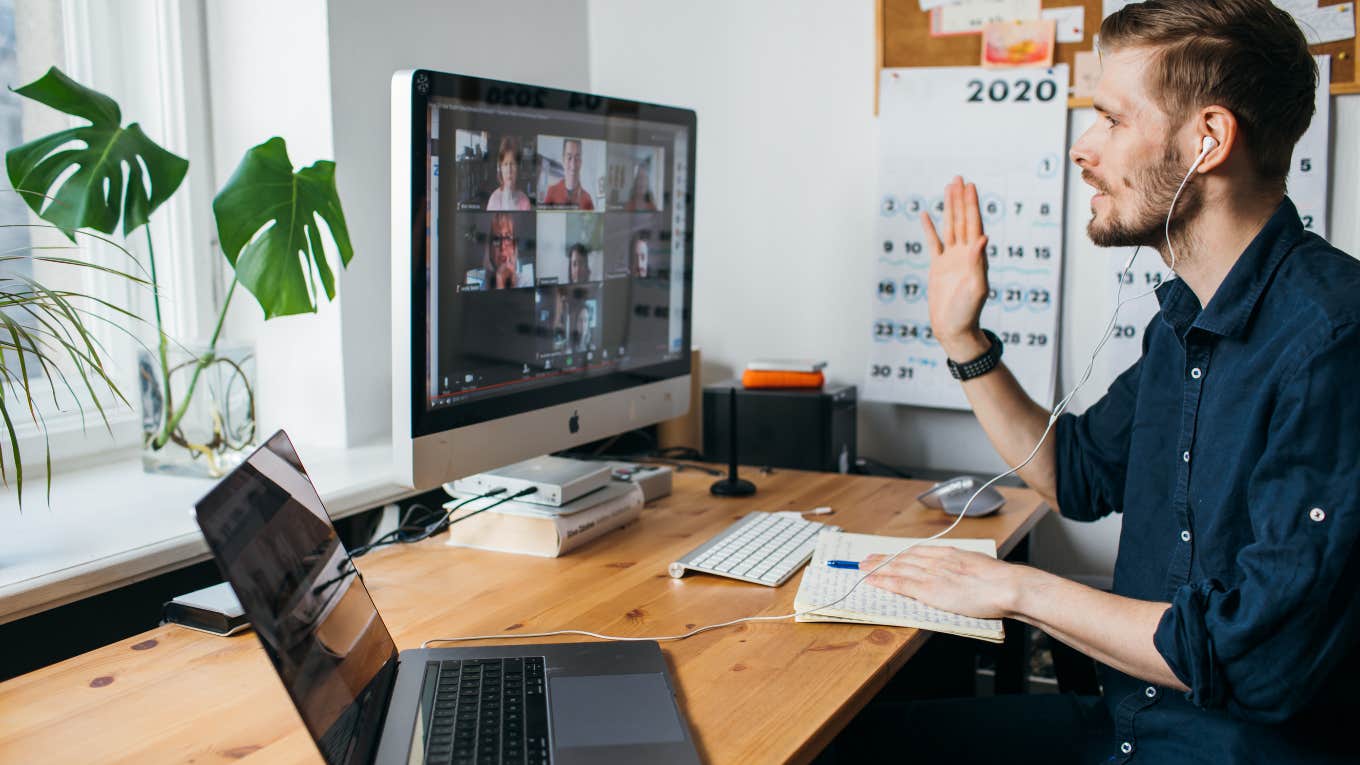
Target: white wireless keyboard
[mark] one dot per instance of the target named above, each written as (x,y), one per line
(762,548)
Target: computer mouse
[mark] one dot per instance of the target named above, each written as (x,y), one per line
(952,496)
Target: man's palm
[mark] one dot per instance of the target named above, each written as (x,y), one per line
(958,266)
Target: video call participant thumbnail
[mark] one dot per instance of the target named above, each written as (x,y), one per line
(569,191)
(489,334)
(467,184)
(505,261)
(635,176)
(507,196)
(568,323)
(571,247)
(636,245)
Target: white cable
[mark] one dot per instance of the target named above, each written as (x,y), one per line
(1209,146)
(1053,416)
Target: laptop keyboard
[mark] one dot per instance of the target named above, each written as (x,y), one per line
(490,712)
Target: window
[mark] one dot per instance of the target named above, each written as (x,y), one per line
(145,56)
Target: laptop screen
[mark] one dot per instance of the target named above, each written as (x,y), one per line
(274,542)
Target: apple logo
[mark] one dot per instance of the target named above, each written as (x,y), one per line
(574,424)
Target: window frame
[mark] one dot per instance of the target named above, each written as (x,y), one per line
(151,57)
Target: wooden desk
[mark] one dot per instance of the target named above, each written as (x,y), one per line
(757,692)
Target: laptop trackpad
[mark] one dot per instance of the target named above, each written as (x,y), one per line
(612,710)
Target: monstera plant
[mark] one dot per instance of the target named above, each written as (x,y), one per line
(104,174)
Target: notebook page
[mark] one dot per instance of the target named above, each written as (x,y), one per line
(822,585)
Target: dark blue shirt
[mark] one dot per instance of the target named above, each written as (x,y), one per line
(1232,448)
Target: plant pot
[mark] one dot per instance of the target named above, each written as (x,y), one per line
(216,431)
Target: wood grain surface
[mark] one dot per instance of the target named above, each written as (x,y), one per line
(763,692)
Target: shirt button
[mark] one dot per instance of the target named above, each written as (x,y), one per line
(1185,456)
(1317,514)
(1126,747)
(1151,692)
(1185,536)
(1196,373)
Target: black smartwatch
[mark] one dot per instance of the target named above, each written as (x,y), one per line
(980,365)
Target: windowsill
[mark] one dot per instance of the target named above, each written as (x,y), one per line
(112,524)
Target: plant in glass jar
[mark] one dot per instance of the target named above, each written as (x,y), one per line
(268,218)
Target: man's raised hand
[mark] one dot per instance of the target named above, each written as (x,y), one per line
(957,285)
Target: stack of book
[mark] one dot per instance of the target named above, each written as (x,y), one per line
(543,530)
(783,373)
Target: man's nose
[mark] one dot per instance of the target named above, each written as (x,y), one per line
(1083,151)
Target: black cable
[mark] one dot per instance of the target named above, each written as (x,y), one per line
(870,461)
(678,465)
(395,536)
(522,493)
(644,459)
(681,453)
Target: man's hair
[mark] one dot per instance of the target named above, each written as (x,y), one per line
(1245,55)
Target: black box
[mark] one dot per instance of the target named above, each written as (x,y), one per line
(799,429)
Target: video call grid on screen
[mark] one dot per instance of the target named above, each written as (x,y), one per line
(551,236)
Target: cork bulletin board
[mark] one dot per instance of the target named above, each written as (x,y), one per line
(904,40)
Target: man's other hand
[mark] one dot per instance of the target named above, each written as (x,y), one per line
(950,579)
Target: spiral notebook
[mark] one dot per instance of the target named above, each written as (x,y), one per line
(870,605)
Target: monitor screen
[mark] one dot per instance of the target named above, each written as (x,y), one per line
(551,244)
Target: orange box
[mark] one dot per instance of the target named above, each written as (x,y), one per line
(765,379)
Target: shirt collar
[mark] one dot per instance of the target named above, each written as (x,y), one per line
(1235,301)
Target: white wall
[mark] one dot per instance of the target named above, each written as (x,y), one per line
(264,80)
(786,203)
(539,41)
(321,80)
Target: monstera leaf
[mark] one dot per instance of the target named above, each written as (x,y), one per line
(95,194)
(267,223)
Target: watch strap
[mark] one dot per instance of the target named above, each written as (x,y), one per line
(980,365)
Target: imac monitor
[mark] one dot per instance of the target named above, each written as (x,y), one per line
(542,247)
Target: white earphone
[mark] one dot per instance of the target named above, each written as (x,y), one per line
(1209,145)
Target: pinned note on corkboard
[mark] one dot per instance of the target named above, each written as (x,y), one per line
(904,39)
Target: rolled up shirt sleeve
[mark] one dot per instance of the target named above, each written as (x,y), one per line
(1092,451)
(1262,645)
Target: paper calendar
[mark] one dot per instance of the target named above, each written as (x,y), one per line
(1005,131)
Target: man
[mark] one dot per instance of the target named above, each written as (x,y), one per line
(568,192)
(578,264)
(637,255)
(1230,447)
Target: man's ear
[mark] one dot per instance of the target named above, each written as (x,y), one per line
(1220,124)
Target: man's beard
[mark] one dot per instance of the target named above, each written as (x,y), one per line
(1158,184)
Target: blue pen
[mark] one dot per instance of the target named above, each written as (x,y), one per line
(843,564)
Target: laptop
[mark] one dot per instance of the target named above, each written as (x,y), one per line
(363,702)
